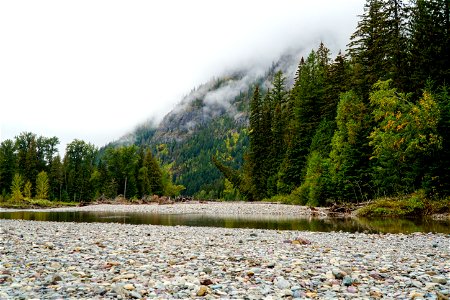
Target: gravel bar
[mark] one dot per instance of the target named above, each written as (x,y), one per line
(57,260)
(209,208)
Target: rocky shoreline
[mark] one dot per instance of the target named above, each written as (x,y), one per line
(209,208)
(47,260)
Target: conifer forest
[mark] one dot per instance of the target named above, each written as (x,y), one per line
(370,122)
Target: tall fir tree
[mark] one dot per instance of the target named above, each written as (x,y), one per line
(154,174)
(430,44)
(8,165)
(349,156)
(259,136)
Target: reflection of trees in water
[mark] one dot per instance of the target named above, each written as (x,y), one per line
(407,225)
(229,221)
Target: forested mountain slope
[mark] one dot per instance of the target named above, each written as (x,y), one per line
(370,123)
(210,121)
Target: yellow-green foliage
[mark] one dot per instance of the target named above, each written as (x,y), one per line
(404,129)
(27,190)
(16,188)
(414,205)
(42,185)
(36,203)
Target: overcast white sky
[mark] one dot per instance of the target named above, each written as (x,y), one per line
(92,70)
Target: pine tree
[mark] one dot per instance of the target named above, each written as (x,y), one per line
(380,45)
(337,82)
(16,188)
(56,178)
(314,189)
(308,93)
(42,185)
(79,165)
(259,136)
(144,182)
(349,156)
(397,14)
(368,47)
(437,179)
(430,43)
(7,165)
(154,174)
(276,114)
(27,159)
(27,189)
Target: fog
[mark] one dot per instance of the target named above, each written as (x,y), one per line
(93,70)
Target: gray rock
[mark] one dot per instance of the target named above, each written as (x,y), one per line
(135,295)
(338,273)
(417,284)
(347,280)
(439,279)
(282,283)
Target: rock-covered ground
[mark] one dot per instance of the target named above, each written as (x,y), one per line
(210,208)
(45,260)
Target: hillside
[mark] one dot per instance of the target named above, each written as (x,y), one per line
(211,120)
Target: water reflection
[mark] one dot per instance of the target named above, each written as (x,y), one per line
(262,222)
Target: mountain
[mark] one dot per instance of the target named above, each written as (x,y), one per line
(211,120)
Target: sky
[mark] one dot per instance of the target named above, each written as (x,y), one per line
(94,69)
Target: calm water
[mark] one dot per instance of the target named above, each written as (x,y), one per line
(262,222)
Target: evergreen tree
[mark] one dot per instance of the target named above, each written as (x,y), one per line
(430,43)
(7,165)
(16,188)
(259,136)
(337,82)
(154,174)
(240,182)
(46,148)
(79,165)
(27,190)
(379,46)
(42,185)
(367,42)
(144,182)
(27,159)
(397,14)
(309,94)
(314,189)
(96,184)
(129,160)
(122,165)
(437,179)
(276,112)
(289,174)
(349,156)
(56,178)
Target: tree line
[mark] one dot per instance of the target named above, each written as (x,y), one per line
(371,123)
(30,167)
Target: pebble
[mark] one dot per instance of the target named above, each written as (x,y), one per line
(347,280)
(282,283)
(51,260)
(202,291)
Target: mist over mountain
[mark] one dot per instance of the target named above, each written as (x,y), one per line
(210,120)
(220,96)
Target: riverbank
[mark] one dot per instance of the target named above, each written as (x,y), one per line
(35,204)
(205,208)
(402,207)
(49,260)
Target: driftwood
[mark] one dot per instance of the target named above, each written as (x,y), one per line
(346,208)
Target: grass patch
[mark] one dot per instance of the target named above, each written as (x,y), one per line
(414,205)
(36,203)
(285,199)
